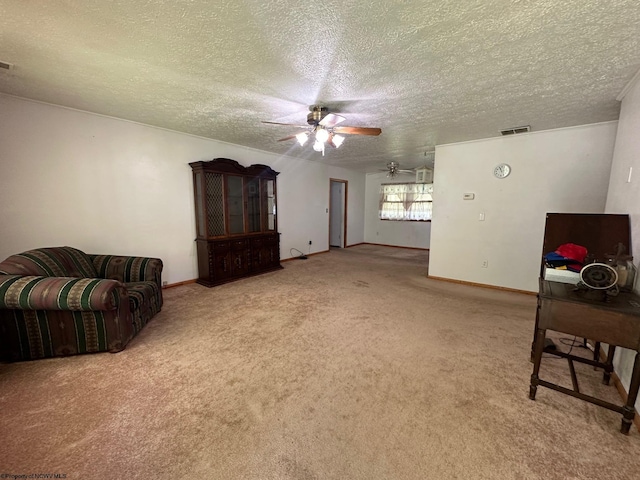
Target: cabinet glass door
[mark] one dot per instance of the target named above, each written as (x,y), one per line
(200,224)
(214,205)
(271,204)
(253,204)
(235,204)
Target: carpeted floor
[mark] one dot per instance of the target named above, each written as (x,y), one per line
(348,365)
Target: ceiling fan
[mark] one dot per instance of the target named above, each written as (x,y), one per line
(393,169)
(322,125)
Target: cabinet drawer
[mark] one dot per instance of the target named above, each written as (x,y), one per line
(239,244)
(256,243)
(220,246)
(270,240)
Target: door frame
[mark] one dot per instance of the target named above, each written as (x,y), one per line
(344,211)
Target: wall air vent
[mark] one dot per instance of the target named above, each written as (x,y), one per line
(5,66)
(514,130)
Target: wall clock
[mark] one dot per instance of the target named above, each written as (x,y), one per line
(502,171)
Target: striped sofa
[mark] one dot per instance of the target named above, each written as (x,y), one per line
(60,301)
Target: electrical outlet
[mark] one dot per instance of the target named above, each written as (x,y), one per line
(165,283)
(485,264)
(310,242)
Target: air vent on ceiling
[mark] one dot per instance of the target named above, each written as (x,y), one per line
(514,130)
(6,66)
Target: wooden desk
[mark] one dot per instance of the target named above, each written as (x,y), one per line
(584,314)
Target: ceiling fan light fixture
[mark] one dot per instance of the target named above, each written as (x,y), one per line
(392,167)
(337,140)
(323,128)
(302,138)
(322,135)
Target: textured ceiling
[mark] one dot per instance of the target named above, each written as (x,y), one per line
(426,72)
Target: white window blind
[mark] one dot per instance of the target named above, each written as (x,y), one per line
(406,201)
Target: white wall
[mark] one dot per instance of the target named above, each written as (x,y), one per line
(624,197)
(385,232)
(563,170)
(106,185)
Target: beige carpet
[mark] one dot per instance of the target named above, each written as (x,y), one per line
(348,365)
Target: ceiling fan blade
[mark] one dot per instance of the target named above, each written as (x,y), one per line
(286,138)
(331,119)
(288,124)
(358,131)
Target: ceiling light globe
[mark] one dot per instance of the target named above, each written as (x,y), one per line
(302,138)
(317,146)
(322,135)
(337,140)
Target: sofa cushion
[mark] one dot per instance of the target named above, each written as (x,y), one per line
(143,302)
(59,293)
(50,262)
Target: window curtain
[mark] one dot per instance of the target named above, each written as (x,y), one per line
(406,201)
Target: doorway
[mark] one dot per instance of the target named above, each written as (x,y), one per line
(338,213)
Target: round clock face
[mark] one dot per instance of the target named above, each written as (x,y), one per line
(502,171)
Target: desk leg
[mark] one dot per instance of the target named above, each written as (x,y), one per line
(539,347)
(608,368)
(535,329)
(628,410)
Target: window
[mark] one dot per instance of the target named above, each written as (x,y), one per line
(406,201)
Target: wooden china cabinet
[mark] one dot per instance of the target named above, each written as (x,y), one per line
(237,231)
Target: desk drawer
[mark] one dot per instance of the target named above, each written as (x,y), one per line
(587,321)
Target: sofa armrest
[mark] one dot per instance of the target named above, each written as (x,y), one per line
(127,269)
(59,293)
